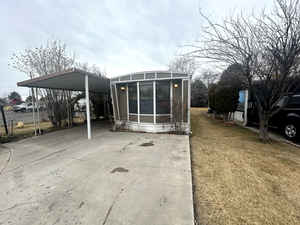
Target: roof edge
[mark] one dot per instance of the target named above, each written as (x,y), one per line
(60,73)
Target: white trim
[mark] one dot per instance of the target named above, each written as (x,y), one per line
(141,80)
(154,102)
(87,99)
(138,99)
(189,104)
(171,99)
(112,95)
(182,101)
(151,127)
(127,98)
(152,71)
(38,110)
(135,114)
(117,100)
(189,100)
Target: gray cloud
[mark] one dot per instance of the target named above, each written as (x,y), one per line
(126,36)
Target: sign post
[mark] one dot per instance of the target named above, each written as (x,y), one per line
(2,103)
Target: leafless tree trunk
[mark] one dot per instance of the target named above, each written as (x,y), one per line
(89,68)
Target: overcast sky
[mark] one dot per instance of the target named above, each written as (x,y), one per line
(123,35)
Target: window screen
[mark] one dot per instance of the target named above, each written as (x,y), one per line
(146,99)
(132,98)
(163,99)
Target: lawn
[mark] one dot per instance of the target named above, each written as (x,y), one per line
(239,180)
(28,130)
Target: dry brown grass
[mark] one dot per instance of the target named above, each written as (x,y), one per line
(25,132)
(238,180)
(28,130)
(7,107)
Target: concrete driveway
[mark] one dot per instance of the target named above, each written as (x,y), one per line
(115,178)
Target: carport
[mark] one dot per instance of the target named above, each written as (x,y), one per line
(74,80)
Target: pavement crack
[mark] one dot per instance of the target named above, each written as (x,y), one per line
(111,207)
(7,160)
(50,207)
(81,204)
(47,156)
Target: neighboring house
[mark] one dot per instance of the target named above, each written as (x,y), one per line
(148,101)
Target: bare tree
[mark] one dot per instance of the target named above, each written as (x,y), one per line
(177,120)
(42,61)
(183,63)
(95,69)
(266,49)
(4,96)
(209,76)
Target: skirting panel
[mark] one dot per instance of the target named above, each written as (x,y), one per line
(151,128)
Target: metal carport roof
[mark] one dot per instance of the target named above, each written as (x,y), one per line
(71,79)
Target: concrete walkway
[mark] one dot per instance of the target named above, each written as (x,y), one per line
(115,178)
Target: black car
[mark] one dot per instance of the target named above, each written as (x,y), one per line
(287,120)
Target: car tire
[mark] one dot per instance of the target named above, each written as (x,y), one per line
(16,111)
(23,110)
(291,130)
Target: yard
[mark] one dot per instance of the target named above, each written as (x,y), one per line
(28,130)
(238,180)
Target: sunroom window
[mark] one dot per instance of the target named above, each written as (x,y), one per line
(132,89)
(146,99)
(163,98)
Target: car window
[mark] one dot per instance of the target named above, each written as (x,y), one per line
(294,102)
(280,103)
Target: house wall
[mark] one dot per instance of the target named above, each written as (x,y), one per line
(150,122)
(114,101)
(185,98)
(122,101)
(146,119)
(176,95)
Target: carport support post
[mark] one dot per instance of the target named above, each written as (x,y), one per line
(87,99)
(38,109)
(32,95)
